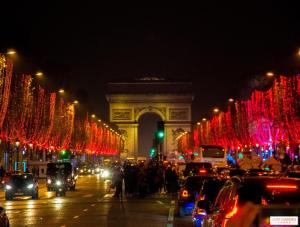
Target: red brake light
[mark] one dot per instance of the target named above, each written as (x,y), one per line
(202,171)
(184,194)
(282,186)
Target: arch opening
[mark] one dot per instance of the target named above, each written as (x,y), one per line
(146,129)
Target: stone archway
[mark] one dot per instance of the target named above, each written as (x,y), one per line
(129,101)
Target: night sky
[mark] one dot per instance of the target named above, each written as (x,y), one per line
(219,47)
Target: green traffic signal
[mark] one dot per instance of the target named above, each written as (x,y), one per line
(160,134)
(152,152)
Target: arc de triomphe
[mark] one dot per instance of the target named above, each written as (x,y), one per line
(128,101)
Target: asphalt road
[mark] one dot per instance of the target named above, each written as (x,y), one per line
(91,204)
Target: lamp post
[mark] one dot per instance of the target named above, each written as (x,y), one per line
(17,143)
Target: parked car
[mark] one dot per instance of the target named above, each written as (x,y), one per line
(262,190)
(21,185)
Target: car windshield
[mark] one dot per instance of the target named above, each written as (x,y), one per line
(271,192)
(59,168)
(213,152)
(21,179)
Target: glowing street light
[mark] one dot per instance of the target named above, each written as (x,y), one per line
(216,110)
(93,115)
(298,52)
(204,119)
(61,91)
(75,102)
(99,120)
(11,52)
(270,74)
(231,100)
(198,123)
(39,74)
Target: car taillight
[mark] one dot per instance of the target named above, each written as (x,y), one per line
(200,211)
(184,194)
(282,187)
(202,171)
(264,201)
(231,213)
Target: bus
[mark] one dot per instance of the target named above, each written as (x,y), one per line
(216,155)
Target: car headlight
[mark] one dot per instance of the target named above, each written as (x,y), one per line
(8,187)
(49,181)
(30,186)
(105,173)
(58,182)
(81,171)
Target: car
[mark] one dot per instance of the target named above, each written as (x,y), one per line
(207,194)
(198,168)
(259,172)
(86,170)
(193,188)
(21,185)
(262,190)
(3,218)
(62,169)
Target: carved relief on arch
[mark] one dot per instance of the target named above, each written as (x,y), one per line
(161,111)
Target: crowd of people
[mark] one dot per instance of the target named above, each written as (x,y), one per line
(141,179)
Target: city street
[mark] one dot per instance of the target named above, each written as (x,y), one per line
(91,205)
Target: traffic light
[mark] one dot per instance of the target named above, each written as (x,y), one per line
(160,133)
(64,154)
(152,152)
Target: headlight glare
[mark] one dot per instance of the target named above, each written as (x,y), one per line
(30,186)
(8,187)
(58,182)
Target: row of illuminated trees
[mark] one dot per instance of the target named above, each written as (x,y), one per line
(39,119)
(269,118)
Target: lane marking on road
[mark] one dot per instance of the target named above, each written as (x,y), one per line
(92,205)
(85,210)
(109,195)
(76,217)
(88,196)
(171,214)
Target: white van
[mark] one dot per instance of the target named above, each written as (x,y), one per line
(216,155)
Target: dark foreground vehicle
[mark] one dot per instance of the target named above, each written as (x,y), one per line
(265,191)
(21,185)
(3,218)
(197,187)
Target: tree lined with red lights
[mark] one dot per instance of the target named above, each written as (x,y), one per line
(31,115)
(267,118)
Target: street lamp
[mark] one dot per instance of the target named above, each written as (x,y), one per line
(61,91)
(216,110)
(17,143)
(93,115)
(230,100)
(270,74)
(11,52)
(75,102)
(204,119)
(198,123)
